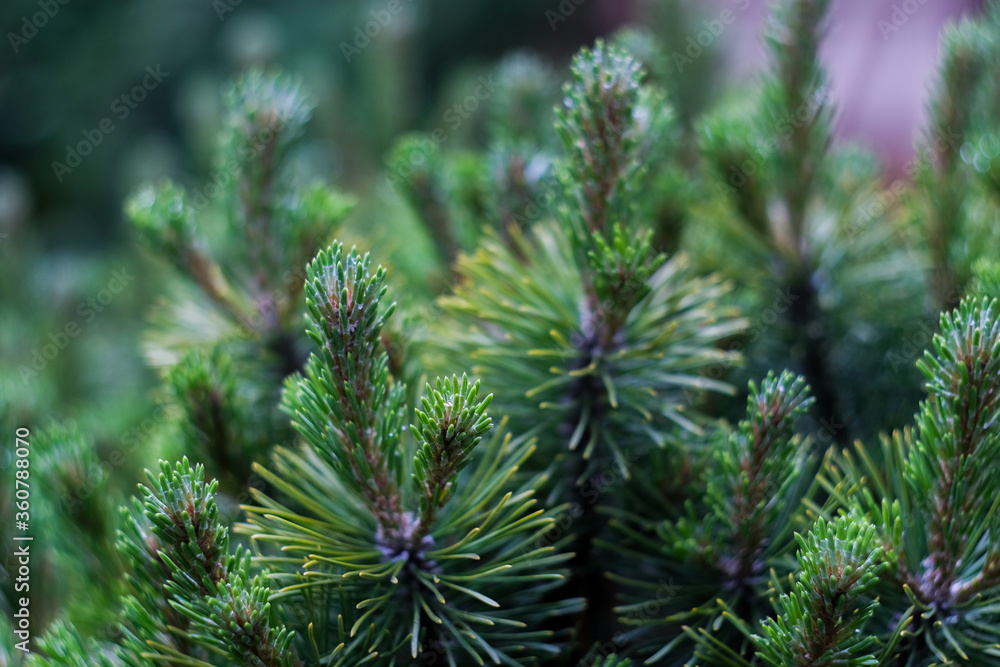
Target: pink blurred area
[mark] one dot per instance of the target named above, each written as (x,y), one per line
(882,58)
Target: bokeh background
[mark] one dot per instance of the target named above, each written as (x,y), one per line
(66,64)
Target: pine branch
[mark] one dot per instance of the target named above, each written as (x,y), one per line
(432,565)
(165,221)
(181,509)
(622,267)
(757,468)
(820,622)
(798,204)
(722,548)
(598,127)
(956,428)
(451,425)
(180,556)
(591,308)
(226,345)
(265,110)
(793,39)
(933,500)
(594,341)
(349,384)
(65,646)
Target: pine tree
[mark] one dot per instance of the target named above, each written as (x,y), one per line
(570,489)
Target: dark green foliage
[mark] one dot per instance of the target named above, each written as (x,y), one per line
(950,205)
(612,661)
(725,546)
(934,503)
